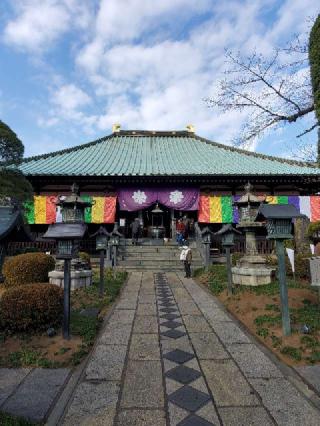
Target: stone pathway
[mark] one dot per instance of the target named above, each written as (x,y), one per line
(170,355)
(31,392)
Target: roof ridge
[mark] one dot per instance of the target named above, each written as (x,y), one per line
(66,150)
(257,154)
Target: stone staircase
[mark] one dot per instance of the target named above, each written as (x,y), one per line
(155,257)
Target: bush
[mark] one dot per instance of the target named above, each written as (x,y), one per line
(301,265)
(31,307)
(85,257)
(27,268)
(236,256)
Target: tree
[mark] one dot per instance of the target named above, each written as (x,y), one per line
(314,59)
(11,147)
(273,90)
(13,184)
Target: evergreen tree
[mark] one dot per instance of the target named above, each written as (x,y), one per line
(314,59)
(13,184)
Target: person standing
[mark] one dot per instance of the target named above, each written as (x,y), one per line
(186,257)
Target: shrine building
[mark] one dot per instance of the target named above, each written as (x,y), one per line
(130,172)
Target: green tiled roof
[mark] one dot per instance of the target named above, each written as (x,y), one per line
(144,153)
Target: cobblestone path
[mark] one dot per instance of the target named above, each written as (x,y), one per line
(169,355)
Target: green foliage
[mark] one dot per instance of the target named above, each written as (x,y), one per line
(314,59)
(217,278)
(263,332)
(85,257)
(292,352)
(31,307)
(272,307)
(301,265)
(235,258)
(84,326)
(11,147)
(267,319)
(14,185)
(308,314)
(198,272)
(8,420)
(27,268)
(310,342)
(276,341)
(315,356)
(312,228)
(26,358)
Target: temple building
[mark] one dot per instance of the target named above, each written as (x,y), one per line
(129,174)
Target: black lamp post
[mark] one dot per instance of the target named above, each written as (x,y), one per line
(279,224)
(227,233)
(68,234)
(101,246)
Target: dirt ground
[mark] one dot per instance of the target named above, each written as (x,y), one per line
(247,306)
(54,349)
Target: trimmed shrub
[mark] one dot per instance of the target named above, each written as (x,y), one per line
(27,268)
(31,307)
(301,264)
(85,257)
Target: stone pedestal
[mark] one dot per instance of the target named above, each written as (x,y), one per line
(252,270)
(80,277)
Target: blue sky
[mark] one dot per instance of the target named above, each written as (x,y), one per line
(69,69)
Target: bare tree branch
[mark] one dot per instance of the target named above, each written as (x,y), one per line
(272,90)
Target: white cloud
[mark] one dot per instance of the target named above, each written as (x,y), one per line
(148,63)
(37,24)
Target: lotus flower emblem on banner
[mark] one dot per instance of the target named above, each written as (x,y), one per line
(139,197)
(176,197)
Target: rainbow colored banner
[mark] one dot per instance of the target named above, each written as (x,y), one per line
(43,209)
(219,208)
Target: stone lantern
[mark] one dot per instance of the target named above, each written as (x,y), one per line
(227,234)
(68,234)
(278,220)
(251,269)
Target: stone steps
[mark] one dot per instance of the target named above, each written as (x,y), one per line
(155,257)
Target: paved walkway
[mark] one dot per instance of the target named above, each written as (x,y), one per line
(170,355)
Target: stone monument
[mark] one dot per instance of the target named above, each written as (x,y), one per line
(251,269)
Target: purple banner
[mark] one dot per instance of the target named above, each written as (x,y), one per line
(176,198)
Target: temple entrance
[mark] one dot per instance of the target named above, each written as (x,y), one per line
(157,221)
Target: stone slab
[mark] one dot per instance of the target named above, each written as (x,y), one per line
(227,384)
(127,303)
(147,298)
(286,405)
(142,418)
(188,308)
(144,347)
(229,333)
(169,344)
(122,317)
(116,334)
(106,362)
(145,324)
(10,379)
(253,416)
(93,404)
(196,324)
(207,346)
(253,362)
(311,373)
(34,397)
(215,315)
(146,309)
(143,385)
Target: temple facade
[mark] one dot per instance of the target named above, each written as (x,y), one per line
(130,174)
